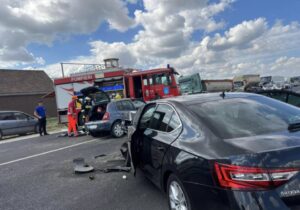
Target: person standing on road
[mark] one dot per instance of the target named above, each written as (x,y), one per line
(40,113)
(72,117)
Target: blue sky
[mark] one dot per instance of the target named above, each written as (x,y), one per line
(220,38)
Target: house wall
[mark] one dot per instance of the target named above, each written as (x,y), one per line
(27,104)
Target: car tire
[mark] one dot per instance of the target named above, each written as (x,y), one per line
(117,130)
(1,135)
(177,194)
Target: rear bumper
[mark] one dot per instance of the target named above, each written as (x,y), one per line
(98,126)
(203,197)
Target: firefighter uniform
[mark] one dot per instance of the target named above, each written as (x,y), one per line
(72,117)
(86,108)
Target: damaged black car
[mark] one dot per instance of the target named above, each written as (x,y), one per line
(230,151)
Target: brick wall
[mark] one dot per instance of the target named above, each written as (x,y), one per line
(27,104)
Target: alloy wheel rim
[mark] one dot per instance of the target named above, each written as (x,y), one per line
(118,130)
(177,197)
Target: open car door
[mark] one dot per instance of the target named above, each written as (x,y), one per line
(133,143)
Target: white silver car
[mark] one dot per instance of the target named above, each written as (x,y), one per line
(17,123)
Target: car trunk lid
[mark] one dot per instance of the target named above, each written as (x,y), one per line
(99,95)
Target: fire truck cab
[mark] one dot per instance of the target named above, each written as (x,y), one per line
(151,84)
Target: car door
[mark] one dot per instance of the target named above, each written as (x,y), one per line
(8,123)
(26,123)
(156,139)
(124,107)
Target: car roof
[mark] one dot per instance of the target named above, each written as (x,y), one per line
(205,97)
(9,111)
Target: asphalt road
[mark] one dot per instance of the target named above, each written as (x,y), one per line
(37,173)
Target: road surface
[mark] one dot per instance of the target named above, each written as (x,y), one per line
(37,173)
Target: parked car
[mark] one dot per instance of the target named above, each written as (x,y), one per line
(112,114)
(16,123)
(231,151)
(286,96)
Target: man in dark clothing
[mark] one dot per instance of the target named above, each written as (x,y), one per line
(40,113)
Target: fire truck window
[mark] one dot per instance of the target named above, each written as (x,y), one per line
(165,79)
(145,81)
(150,81)
(157,79)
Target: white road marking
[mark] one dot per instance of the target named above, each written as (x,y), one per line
(48,152)
(33,136)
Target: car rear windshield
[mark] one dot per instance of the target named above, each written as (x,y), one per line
(242,117)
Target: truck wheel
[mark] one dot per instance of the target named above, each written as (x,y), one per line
(177,196)
(117,130)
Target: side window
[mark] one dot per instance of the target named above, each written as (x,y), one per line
(161,117)
(166,79)
(125,105)
(119,105)
(7,116)
(150,81)
(145,81)
(146,117)
(128,105)
(294,100)
(279,96)
(20,116)
(174,123)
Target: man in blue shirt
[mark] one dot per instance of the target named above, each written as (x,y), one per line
(40,113)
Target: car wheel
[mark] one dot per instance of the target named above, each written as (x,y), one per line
(1,135)
(117,130)
(177,196)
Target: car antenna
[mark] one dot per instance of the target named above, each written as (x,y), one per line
(223,94)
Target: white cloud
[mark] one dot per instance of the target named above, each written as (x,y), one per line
(240,35)
(252,46)
(29,21)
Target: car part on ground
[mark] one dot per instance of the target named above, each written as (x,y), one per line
(81,167)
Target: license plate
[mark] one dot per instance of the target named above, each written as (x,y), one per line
(92,127)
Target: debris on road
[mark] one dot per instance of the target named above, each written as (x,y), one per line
(81,167)
(101,155)
(124,177)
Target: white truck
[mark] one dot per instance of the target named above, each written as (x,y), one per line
(64,93)
(243,82)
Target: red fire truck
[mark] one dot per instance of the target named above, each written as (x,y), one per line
(147,84)
(151,84)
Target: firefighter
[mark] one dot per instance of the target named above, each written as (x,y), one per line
(72,117)
(118,96)
(86,108)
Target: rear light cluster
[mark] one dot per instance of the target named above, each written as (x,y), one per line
(239,177)
(105,116)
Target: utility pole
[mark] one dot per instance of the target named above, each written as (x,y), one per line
(62,69)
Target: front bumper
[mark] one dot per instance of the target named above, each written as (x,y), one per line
(98,126)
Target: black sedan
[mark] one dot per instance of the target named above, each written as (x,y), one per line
(234,151)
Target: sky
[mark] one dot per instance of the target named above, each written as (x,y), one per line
(216,38)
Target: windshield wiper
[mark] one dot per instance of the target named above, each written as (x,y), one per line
(294,126)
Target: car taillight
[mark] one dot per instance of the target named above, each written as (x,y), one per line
(240,177)
(106,116)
